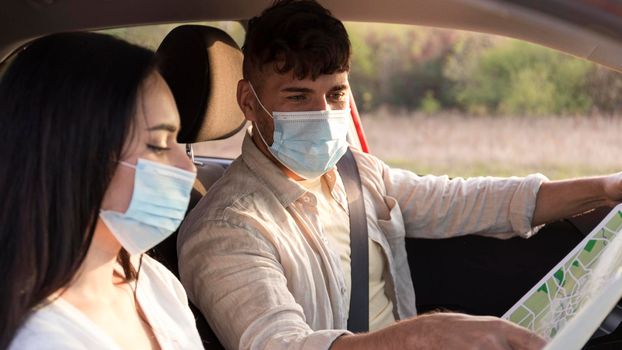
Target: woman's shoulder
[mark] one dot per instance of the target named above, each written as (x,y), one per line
(43,339)
(49,327)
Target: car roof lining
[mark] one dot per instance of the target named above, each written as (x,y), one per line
(24,20)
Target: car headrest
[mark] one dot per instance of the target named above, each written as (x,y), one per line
(202,66)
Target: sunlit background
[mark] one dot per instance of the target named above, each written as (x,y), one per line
(465,104)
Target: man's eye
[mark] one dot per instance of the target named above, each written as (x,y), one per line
(157,149)
(338,96)
(296,97)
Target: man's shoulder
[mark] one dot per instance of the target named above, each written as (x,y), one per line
(237,182)
(237,196)
(368,164)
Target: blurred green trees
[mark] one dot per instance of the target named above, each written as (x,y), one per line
(426,69)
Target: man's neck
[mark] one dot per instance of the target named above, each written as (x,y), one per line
(263,148)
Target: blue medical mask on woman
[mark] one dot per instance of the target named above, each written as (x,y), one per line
(308,143)
(159,202)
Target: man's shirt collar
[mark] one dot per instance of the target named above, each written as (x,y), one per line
(286,190)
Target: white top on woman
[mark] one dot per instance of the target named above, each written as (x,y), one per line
(60,325)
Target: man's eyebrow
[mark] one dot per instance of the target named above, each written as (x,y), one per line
(308,90)
(163,126)
(339,87)
(297,89)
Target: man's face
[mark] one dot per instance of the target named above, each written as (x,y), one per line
(285,93)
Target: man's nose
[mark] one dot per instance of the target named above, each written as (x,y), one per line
(321,104)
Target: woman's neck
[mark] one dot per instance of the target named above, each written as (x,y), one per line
(96,278)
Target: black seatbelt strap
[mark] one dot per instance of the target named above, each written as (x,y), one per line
(358,318)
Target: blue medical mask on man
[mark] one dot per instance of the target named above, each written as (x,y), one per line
(159,202)
(308,143)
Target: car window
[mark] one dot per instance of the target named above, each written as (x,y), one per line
(465,104)
(151,37)
(439,101)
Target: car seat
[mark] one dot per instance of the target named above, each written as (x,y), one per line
(202,66)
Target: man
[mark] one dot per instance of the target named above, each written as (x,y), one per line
(266,254)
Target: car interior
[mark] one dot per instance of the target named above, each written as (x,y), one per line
(202,66)
(197,62)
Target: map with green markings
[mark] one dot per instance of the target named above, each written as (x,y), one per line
(559,295)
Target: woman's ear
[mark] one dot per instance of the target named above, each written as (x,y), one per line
(246,100)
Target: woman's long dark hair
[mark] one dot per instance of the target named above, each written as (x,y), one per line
(66,108)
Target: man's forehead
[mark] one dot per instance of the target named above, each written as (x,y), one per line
(288,81)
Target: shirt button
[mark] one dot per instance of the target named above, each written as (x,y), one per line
(306,199)
(343,290)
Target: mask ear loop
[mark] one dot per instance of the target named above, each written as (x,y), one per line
(265,110)
(258,100)
(261,136)
(130,165)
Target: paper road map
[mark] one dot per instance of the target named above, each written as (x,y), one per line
(552,302)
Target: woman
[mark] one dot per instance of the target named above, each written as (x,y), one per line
(91,178)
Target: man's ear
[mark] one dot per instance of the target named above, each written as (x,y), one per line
(246,100)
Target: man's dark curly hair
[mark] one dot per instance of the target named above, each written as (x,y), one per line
(299,36)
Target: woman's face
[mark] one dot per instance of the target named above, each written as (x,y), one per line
(154,136)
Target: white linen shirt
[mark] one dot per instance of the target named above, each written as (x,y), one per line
(254,258)
(60,325)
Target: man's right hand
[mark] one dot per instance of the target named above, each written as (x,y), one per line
(446,331)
